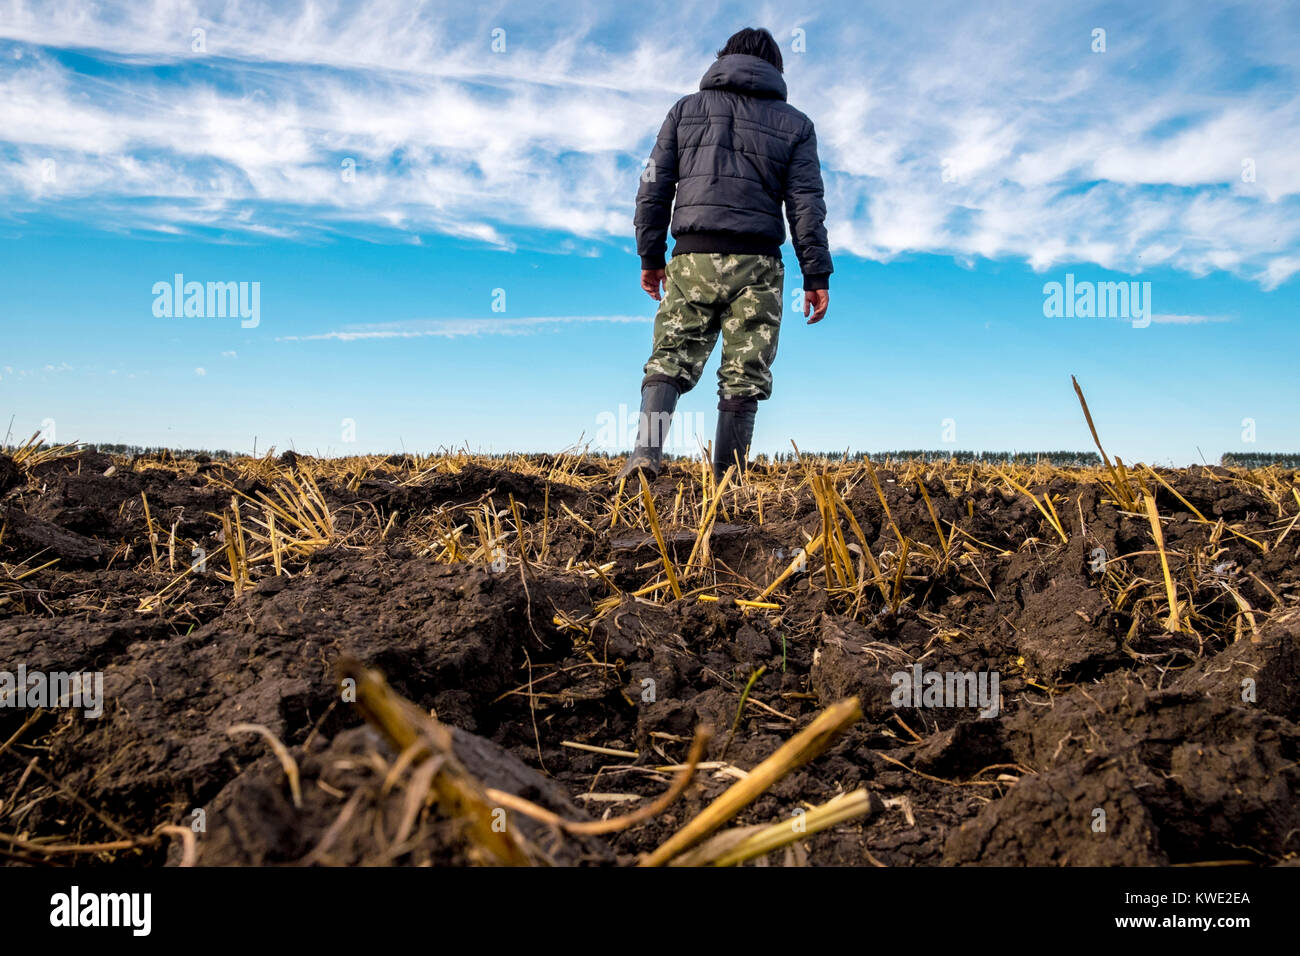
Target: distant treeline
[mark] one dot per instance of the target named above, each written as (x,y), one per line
(1261,459)
(1064,459)
(131,451)
(1070,459)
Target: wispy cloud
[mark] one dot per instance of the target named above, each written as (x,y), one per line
(985,131)
(456,328)
(1168,318)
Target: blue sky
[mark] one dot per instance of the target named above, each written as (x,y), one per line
(441,233)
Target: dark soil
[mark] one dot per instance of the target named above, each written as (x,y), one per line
(1115,742)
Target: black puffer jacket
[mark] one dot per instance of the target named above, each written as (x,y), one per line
(732,154)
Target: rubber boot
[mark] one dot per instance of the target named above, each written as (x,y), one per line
(735,429)
(658,402)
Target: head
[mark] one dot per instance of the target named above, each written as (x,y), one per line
(757,43)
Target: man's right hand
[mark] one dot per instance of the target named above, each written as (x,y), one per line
(816,301)
(652,280)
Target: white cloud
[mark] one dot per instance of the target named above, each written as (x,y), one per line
(457,328)
(332,117)
(1169,318)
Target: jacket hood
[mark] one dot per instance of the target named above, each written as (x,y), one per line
(742,73)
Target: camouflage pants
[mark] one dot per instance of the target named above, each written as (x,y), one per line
(739,296)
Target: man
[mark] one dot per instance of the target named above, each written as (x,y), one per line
(731,155)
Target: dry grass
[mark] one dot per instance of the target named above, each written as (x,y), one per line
(276,531)
(292,512)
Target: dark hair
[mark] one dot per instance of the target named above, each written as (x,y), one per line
(757,43)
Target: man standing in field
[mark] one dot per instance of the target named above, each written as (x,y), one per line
(731,155)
